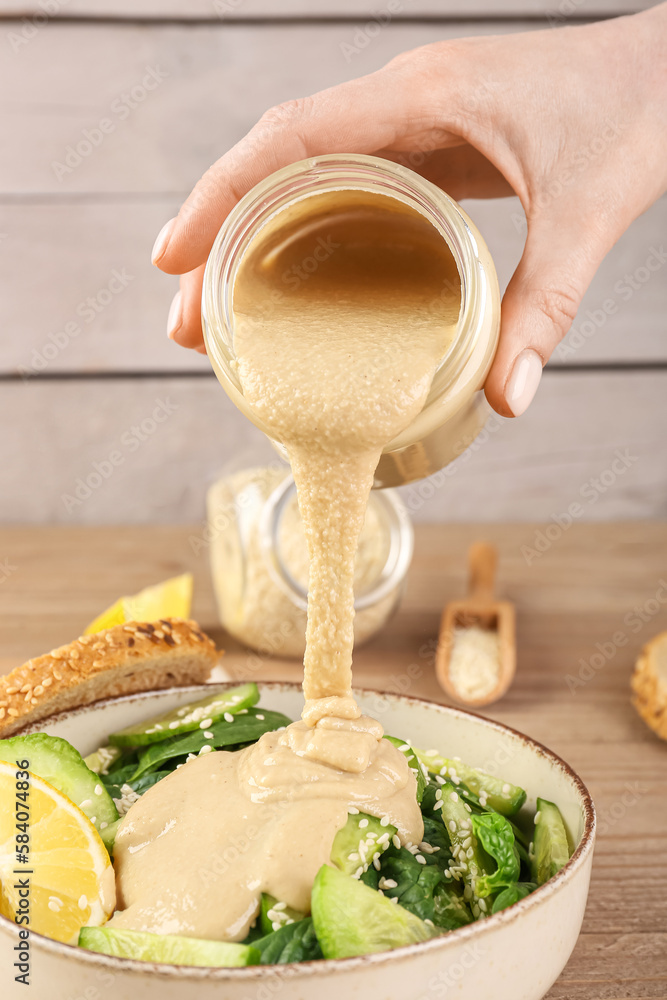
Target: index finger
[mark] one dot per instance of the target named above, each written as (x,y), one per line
(361,116)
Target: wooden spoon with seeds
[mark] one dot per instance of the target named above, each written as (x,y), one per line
(476,656)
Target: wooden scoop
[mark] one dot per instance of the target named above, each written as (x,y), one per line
(479,609)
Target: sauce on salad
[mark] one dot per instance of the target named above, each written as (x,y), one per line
(336,359)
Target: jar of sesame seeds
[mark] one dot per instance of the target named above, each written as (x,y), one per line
(259,560)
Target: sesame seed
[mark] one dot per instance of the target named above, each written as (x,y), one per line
(506,789)
(437,805)
(103,825)
(228,717)
(280,906)
(206,749)
(2,713)
(174,725)
(376,864)
(359,872)
(440,780)
(396,841)
(429,922)
(384,821)
(394,899)
(26,687)
(260,717)
(353,811)
(453,796)
(363,823)
(482,904)
(452,826)
(420,858)
(86,803)
(98,789)
(404,748)
(55,904)
(206,723)
(208,734)
(83,902)
(537,816)
(354,856)
(390,883)
(12,712)
(12,690)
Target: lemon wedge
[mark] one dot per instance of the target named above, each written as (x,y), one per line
(169,599)
(68,882)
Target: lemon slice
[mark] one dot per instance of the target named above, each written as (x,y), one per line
(70,880)
(169,599)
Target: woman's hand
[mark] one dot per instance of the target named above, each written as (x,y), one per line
(573,121)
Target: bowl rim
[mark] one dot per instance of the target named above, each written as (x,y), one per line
(331,966)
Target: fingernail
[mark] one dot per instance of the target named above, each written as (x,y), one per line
(174,317)
(162,240)
(523,382)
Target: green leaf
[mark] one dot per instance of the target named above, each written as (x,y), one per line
(244,729)
(496,836)
(295,942)
(414,763)
(512,894)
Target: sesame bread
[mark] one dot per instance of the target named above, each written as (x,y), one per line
(649,685)
(137,656)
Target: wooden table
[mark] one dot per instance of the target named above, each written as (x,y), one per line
(591,583)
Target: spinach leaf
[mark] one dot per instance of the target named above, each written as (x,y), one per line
(496,837)
(512,894)
(295,942)
(449,908)
(124,776)
(244,729)
(424,889)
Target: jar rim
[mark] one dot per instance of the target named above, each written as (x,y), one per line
(399,555)
(317,175)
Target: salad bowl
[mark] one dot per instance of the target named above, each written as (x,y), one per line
(517,953)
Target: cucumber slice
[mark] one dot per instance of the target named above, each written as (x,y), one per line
(359,842)
(170,948)
(198,715)
(56,760)
(500,795)
(352,919)
(101,760)
(551,849)
(273,914)
(468,860)
(415,765)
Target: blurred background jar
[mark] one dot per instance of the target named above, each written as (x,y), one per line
(259,560)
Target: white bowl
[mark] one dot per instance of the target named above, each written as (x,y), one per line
(515,955)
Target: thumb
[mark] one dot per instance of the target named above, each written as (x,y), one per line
(539,306)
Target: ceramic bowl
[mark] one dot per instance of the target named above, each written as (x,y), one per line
(515,955)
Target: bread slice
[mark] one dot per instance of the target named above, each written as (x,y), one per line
(649,684)
(137,656)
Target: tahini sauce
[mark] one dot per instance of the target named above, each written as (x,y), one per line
(344,305)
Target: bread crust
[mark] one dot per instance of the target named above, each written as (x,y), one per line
(650,691)
(136,656)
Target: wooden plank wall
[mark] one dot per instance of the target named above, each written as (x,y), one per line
(64,235)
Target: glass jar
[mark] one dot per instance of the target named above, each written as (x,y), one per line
(259,560)
(456,409)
